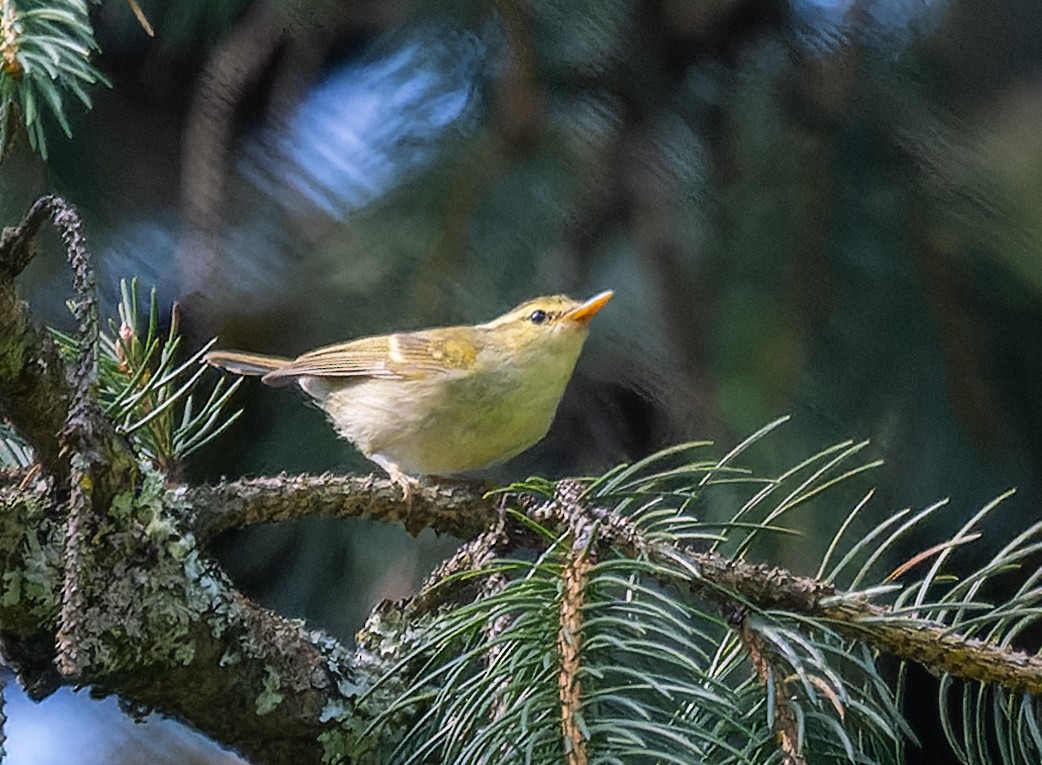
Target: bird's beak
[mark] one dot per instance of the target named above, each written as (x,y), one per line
(583,312)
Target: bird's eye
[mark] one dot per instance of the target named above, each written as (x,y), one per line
(537,317)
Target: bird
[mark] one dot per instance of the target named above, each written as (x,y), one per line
(445,400)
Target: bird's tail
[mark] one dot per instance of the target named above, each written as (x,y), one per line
(252,364)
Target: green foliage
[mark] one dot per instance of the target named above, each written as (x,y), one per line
(674,666)
(651,691)
(45,56)
(148,392)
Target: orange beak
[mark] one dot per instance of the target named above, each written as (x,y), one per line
(583,312)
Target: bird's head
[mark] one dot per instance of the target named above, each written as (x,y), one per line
(553,321)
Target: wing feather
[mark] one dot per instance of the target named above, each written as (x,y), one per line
(403,355)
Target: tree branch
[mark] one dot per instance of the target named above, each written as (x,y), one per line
(34,392)
(158,622)
(785,722)
(453,508)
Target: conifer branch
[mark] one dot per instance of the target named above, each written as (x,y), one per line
(786,726)
(45,56)
(574,579)
(937,647)
(737,584)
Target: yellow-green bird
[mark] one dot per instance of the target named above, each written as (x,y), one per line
(444,400)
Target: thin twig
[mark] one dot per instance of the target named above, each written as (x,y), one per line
(35,394)
(16,242)
(786,726)
(101,463)
(3,715)
(574,579)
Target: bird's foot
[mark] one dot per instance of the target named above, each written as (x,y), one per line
(404,482)
(408,484)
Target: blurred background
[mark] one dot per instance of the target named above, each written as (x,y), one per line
(824,208)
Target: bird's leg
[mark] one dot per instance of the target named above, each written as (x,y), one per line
(405,482)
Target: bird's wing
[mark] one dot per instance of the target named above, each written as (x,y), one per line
(405,355)
(240,363)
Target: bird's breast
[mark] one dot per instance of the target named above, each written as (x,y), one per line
(448,422)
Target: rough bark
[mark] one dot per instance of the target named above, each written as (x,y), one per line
(156,621)
(452,508)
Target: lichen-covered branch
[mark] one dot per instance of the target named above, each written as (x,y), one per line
(103,583)
(157,621)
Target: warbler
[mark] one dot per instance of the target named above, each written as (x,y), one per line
(444,400)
